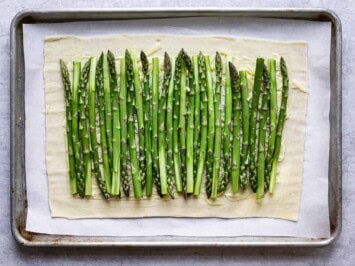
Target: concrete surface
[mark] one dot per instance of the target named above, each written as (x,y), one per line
(339,253)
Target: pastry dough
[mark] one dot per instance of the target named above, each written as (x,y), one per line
(283,204)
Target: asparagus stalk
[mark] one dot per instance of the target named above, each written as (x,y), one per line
(176,109)
(140,116)
(280,124)
(68,114)
(169,132)
(182,123)
(123,122)
(218,127)
(147,126)
(101,107)
(253,122)
(92,122)
(237,121)
(107,107)
(83,127)
(211,127)
(190,126)
(162,129)
(227,127)
(204,114)
(136,178)
(155,129)
(116,136)
(262,133)
(273,121)
(197,118)
(80,179)
(245,126)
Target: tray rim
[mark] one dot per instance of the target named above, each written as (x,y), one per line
(17,124)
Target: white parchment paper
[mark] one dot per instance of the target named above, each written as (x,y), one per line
(314,218)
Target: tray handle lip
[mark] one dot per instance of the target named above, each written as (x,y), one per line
(27,12)
(22,14)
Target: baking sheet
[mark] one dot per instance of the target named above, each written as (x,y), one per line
(313,222)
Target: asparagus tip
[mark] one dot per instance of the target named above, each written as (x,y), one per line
(283,66)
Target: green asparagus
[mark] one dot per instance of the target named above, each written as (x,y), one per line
(280,124)
(136,178)
(237,121)
(107,107)
(147,126)
(204,123)
(254,111)
(123,121)
(83,127)
(93,137)
(182,124)
(262,134)
(211,127)
(197,118)
(169,133)
(155,127)
(80,178)
(162,126)
(190,126)
(273,121)
(218,128)
(245,126)
(116,126)
(227,129)
(68,114)
(101,108)
(176,109)
(140,116)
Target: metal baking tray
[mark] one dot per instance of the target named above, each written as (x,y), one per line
(17,92)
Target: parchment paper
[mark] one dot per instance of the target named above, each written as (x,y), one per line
(313,220)
(243,204)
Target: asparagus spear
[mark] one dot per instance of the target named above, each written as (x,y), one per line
(211,127)
(68,114)
(245,126)
(136,178)
(218,127)
(140,116)
(190,126)
(197,118)
(182,123)
(123,122)
(83,127)
(280,124)
(262,133)
(155,129)
(116,136)
(147,126)
(227,127)
(204,114)
(237,121)
(273,121)
(107,107)
(92,121)
(80,179)
(169,132)
(101,107)
(176,109)
(162,129)
(253,122)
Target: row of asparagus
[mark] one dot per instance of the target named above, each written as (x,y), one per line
(183,131)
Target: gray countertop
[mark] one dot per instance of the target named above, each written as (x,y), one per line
(339,253)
